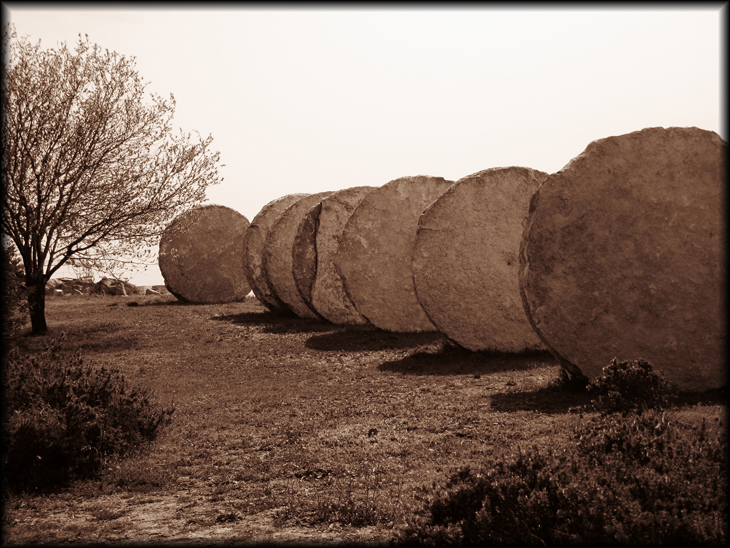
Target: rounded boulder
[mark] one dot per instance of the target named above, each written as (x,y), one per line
(278,254)
(200,255)
(254,241)
(376,251)
(466,260)
(622,256)
(315,246)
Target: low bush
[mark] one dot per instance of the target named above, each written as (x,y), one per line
(635,477)
(64,418)
(361,500)
(663,483)
(14,302)
(630,386)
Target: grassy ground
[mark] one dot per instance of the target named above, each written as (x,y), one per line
(288,429)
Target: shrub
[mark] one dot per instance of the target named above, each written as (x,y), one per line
(64,418)
(666,484)
(634,477)
(14,295)
(630,386)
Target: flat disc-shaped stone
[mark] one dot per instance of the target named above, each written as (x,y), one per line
(200,255)
(376,250)
(278,254)
(304,255)
(621,256)
(315,246)
(466,260)
(253,250)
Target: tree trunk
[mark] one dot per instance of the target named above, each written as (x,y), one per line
(37,306)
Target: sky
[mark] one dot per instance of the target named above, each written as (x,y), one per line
(321,98)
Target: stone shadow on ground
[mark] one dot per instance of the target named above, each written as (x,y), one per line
(253,317)
(93,341)
(176,302)
(454,360)
(558,398)
(354,339)
(277,322)
(165,300)
(552,399)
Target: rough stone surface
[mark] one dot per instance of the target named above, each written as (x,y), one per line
(200,255)
(315,246)
(466,260)
(622,256)
(253,250)
(376,249)
(304,255)
(278,254)
(109,286)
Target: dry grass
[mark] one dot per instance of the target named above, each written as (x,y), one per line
(288,429)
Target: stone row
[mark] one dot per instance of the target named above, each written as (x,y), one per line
(617,255)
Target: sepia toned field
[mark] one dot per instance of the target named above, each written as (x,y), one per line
(288,429)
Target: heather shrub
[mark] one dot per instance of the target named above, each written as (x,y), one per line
(63,418)
(14,297)
(630,386)
(668,487)
(636,477)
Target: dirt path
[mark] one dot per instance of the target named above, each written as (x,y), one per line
(179,517)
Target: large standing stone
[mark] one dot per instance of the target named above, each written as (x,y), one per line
(253,250)
(200,255)
(622,256)
(466,260)
(376,250)
(278,254)
(315,246)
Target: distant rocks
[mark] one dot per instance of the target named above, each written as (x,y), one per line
(155,290)
(87,286)
(69,286)
(110,286)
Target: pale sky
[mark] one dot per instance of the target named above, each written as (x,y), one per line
(323,98)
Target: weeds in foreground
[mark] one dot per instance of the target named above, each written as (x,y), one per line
(358,499)
(639,477)
(63,418)
(361,501)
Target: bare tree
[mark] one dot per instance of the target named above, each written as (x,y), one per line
(91,167)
